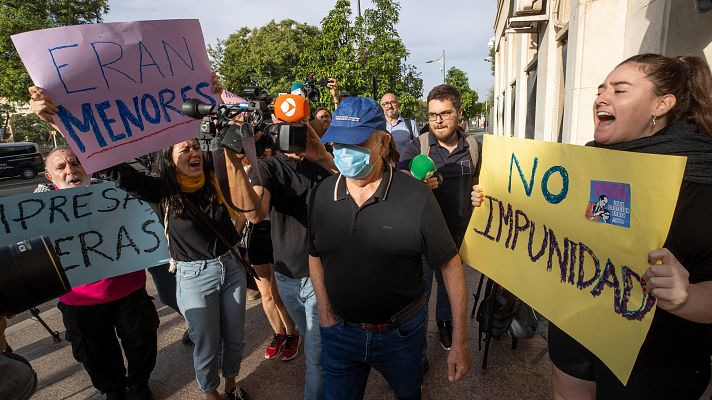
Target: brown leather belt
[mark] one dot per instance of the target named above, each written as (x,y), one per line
(411,311)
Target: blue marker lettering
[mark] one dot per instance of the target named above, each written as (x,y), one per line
(103,66)
(101,110)
(166,103)
(87,123)
(141,48)
(156,118)
(204,95)
(527,189)
(126,115)
(58,67)
(166,46)
(555,198)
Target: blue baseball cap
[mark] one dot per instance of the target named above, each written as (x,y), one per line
(354,121)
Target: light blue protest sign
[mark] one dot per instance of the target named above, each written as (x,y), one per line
(98,231)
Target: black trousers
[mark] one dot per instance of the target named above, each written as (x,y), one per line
(93,330)
(165,282)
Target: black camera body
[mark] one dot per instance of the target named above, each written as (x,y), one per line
(217,133)
(311,87)
(30,274)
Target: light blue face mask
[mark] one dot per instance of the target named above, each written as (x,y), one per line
(353,161)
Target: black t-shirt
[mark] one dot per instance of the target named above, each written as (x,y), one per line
(191,239)
(673,340)
(372,255)
(453,194)
(289,182)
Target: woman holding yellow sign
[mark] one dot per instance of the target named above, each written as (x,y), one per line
(655,104)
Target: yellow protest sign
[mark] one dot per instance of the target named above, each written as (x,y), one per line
(568,228)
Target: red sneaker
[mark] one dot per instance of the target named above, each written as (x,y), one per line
(275,346)
(290,348)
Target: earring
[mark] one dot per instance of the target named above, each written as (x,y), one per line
(654,118)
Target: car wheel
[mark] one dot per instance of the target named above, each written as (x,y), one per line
(28,173)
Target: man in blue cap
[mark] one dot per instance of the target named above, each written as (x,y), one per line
(365,253)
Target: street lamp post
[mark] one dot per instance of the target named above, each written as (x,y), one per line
(440,61)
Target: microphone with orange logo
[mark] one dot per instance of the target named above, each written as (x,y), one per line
(290,134)
(291,108)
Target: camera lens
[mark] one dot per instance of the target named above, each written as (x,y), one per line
(30,274)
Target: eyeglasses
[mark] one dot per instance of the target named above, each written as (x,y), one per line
(443,115)
(391,103)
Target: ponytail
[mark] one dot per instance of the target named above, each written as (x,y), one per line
(699,91)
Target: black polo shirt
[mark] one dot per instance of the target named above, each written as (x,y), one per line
(289,182)
(372,254)
(453,194)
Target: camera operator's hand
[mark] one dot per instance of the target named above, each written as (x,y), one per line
(333,87)
(215,84)
(316,151)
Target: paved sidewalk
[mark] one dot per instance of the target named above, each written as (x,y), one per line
(512,374)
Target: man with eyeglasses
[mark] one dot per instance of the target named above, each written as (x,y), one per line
(402,130)
(453,156)
(365,261)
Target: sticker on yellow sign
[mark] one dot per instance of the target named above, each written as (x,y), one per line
(568,228)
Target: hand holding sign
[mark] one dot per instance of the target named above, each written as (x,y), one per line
(41,105)
(477,195)
(668,281)
(117,88)
(534,236)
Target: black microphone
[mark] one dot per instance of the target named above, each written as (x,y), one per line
(197,109)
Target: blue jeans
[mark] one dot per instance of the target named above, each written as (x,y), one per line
(211,296)
(298,297)
(349,352)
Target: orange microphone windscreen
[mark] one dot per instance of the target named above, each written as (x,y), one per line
(291,108)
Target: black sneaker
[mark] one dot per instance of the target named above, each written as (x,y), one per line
(140,392)
(186,340)
(445,330)
(237,394)
(116,395)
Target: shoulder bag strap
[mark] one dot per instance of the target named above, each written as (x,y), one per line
(249,268)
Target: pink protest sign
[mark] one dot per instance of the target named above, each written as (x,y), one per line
(119,87)
(229,97)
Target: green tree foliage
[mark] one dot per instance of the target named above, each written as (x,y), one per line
(458,78)
(333,53)
(267,56)
(18,16)
(30,127)
(347,50)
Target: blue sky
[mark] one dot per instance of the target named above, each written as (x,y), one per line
(462,28)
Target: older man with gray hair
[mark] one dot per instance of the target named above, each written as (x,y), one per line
(96,313)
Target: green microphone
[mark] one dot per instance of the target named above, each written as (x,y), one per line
(422,167)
